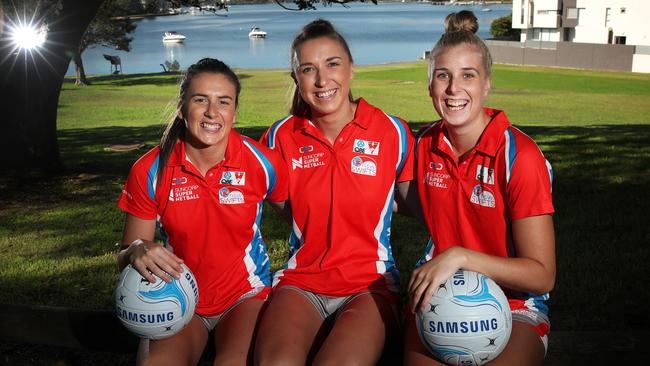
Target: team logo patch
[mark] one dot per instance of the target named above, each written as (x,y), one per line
(364,166)
(434,165)
(482,196)
(366,147)
(306,149)
(484,174)
(179,181)
(233,178)
(229,196)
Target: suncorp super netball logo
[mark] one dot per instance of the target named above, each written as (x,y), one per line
(363,165)
(229,196)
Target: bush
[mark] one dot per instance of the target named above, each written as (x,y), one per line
(501,28)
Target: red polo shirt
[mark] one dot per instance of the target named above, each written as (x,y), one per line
(211,222)
(504,178)
(341,198)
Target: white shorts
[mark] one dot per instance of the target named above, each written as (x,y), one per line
(211,322)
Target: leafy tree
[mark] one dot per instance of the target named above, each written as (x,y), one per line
(109,28)
(501,28)
(31,81)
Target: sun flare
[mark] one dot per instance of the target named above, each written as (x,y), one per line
(28,36)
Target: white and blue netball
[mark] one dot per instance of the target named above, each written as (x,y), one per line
(467,321)
(155,310)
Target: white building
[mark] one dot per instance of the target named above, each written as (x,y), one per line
(583,21)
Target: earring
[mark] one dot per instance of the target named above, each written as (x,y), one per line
(184,120)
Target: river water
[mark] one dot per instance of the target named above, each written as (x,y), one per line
(377,34)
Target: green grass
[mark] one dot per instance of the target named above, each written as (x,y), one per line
(57,234)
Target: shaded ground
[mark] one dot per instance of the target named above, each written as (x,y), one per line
(566,348)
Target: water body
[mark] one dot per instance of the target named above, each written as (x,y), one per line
(377,34)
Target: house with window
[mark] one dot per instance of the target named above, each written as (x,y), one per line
(583,21)
(596,34)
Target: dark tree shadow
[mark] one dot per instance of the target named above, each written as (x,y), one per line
(602,176)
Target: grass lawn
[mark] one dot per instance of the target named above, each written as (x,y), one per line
(57,234)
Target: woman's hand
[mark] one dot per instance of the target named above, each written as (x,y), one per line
(426,279)
(148,257)
(143,254)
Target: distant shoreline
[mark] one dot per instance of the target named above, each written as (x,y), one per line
(256,2)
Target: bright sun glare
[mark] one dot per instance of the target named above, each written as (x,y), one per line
(27,36)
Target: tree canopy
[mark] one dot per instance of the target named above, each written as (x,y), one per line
(31,79)
(109,28)
(501,28)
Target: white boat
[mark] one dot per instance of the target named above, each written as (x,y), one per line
(173,37)
(486,9)
(256,33)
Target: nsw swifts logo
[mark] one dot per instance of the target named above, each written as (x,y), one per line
(366,147)
(363,165)
(233,178)
(230,196)
(482,196)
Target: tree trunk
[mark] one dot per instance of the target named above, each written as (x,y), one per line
(31,83)
(79,68)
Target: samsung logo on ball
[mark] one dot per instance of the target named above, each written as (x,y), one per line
(145,318)
(464,327)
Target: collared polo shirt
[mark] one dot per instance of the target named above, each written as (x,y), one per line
(211,222)
(341,198)
(472,203)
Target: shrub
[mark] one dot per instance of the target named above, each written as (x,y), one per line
(501,28)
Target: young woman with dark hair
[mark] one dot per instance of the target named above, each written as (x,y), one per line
(203,187)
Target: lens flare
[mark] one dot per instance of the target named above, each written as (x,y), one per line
(28,37)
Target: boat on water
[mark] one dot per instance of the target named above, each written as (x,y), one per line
(486,9)
(172,36)
(256,33)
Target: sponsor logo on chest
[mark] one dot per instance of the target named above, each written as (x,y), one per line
(434,176)
(363,165)
(180,191)
(365,147)
(482,196)
(230,196)
(308,159)
(233,178)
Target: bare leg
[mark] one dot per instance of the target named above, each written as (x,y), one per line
(288,329)
(415,354)
(183,348)
(524,347)
(360,332)
(235,334)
